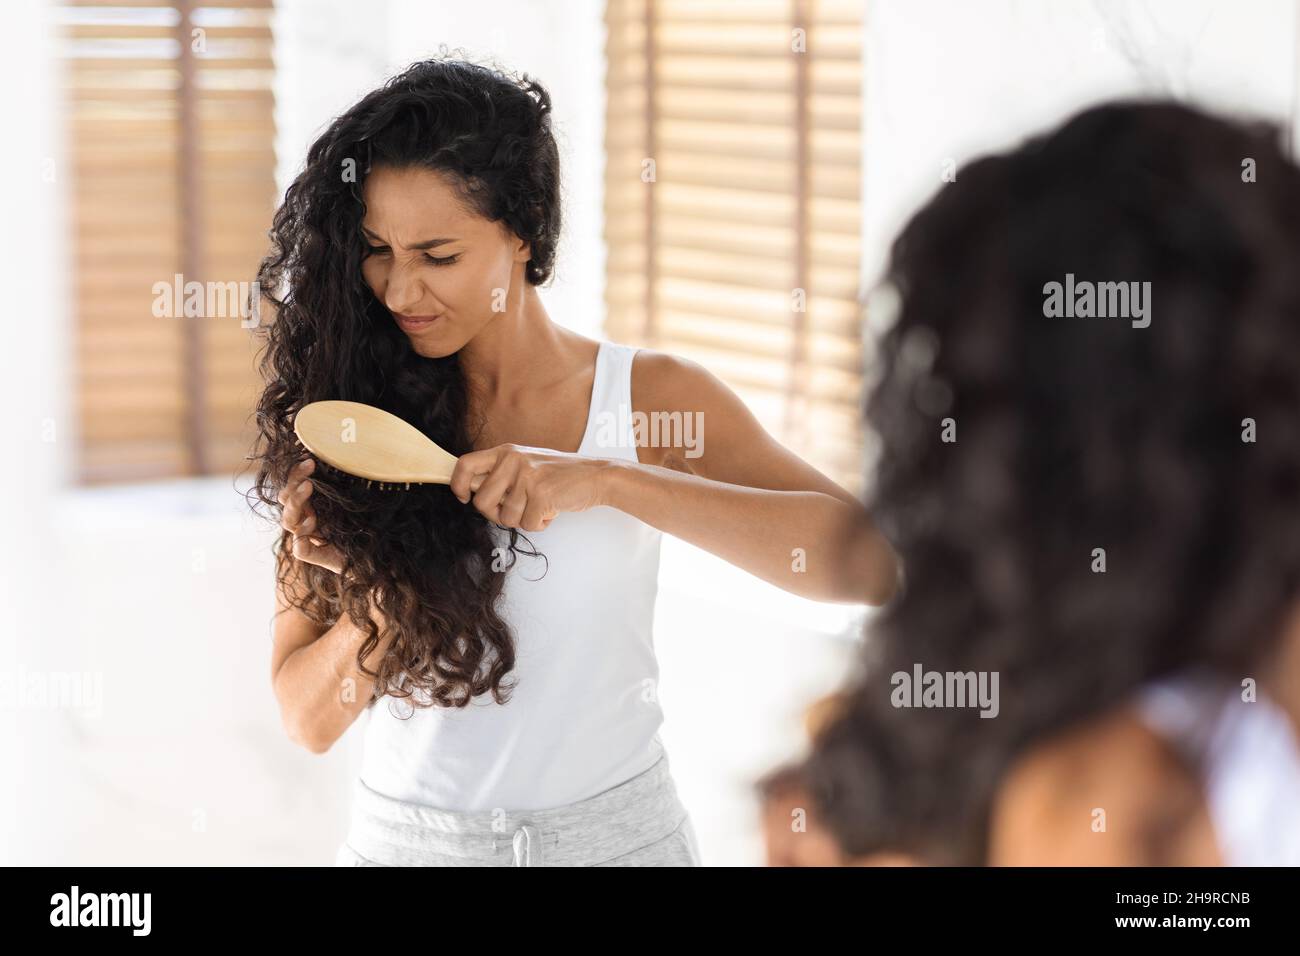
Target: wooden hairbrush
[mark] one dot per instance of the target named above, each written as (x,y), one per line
(370,443)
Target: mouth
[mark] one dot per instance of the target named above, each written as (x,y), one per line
(415,323)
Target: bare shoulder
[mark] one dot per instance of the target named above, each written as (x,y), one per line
(1109,793)
(739,450)
(679,396)
(673,394)
(664,381)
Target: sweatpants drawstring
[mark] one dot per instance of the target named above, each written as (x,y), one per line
(528,846)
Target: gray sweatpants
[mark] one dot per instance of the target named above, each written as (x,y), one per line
(640,822)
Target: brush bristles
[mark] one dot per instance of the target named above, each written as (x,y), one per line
(370,483)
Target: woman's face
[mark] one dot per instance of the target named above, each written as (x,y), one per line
(442,271)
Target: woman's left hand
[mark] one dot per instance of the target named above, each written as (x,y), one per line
(521,487)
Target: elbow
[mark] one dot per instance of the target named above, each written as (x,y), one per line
(319,747)
(316,745)
(875,570)
(303,731)
(878,598)
(882,588)
(308,739)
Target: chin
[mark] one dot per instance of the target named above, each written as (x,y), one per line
(431,350)
(434,346)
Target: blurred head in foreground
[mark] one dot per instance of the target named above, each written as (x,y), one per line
(1088,409)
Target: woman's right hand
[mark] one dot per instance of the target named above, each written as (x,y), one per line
(298,517)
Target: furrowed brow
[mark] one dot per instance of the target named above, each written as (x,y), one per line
(426,244)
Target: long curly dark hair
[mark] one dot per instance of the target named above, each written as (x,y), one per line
(427,559)
(1074,434)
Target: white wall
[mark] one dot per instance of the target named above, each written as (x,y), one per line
(38,432)
(949,79)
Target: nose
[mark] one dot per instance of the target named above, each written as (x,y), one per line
(403,291)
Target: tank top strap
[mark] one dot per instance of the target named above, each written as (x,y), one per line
(611,431)
(1247,756)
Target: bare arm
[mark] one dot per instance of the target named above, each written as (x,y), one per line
(315,676)
(746,498)
(743,496)
(793,539)
(314,670)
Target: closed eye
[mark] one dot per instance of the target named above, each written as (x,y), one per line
(384,251)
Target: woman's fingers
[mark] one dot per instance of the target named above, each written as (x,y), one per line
(298,517)
(498,481)
(307,549)
(307,524)
(294,498)
(533,518)
(470,470)
(296,507)
(511,510)
(493,489)
(296,474)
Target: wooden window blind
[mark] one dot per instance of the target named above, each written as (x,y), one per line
(171,143)
(754,132)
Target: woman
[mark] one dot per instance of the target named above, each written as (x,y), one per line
(1103,510)
(517,718)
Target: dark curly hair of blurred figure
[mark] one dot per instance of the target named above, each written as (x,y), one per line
(1074,434)
(421,553)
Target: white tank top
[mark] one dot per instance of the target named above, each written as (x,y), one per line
(584,714)
(1250,765)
